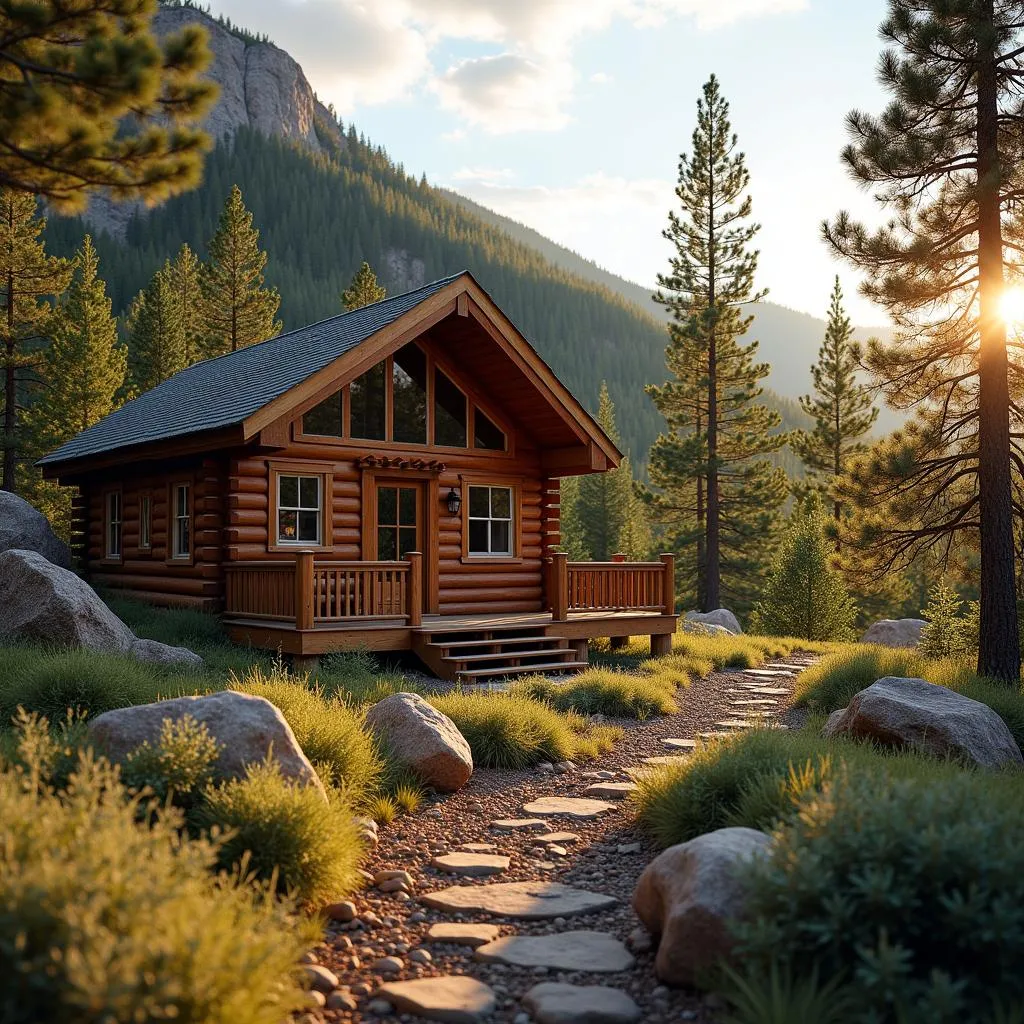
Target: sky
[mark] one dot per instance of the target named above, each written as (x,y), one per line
(570,115)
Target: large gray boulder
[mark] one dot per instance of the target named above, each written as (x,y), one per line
(419,736)
(704,629)
(247,729)
(155,653)
(894,632)
(719,617)
(913,712)
(688,897)
(24,528)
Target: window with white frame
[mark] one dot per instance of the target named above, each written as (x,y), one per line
(145,522)
(181,521)
(490,520)
(299,509)
(114,524)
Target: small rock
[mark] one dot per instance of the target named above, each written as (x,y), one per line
(420,956)
(417,916)
(320,978)
(545,767)
(519,824)
(341,1001)
(309,957)
(640,940)
(380,1007)
(397,885)
(611,790)
(319,998)
(629,848)
(564,767)
(361,988)
(342,942)
(559,838)
(344,911)
(392,875)
(369,919)
(388,965)
(554,850)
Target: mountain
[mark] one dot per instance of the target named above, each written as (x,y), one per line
(325,199)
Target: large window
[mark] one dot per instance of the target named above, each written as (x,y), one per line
(449,413)
(181,521)
(409,395)
(114,524)
(368,404)
(490,520)
(486,433)
(299,509)
(325,418)
(145,522)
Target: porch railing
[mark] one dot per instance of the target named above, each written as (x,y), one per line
(617,585)
(306,592)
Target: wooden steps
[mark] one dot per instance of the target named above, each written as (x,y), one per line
(486,653)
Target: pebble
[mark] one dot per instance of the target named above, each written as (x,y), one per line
(388,965)
(361,988)
(640,940)
(629,848)
(342,942)
(318,997)
(420,956)
(309,957)
(341,1001)
(320,978)
(560,838)
(391,875)
(564,767)
(344,911)
(394,885)
(417,916)
(369,919)
(380,1007)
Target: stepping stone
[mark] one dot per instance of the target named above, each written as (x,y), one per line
(736,723)
(714,735)
(519,824)
(611,790)
(787,666)
(572,807)
(767,673)
(458,1000)
(561,951)
(672,759)
(472,865)
(528,901)
(677,744)
(460,934)
(770,691)
(560,838)
(478,847)
(752,703)
(552,1002)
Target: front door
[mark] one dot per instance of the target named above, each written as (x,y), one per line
(399,520)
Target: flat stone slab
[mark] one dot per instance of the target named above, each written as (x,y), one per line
(767,673)
(679,744)
(610,790)
(736,723)
(714,735)
(478,847)
(671,759)
(459,1000)
(558,838)
(460,934)
(788,666)
(769,691)
(561,951)
(552,1002)
(472,865)
(572,807)
(529,901)
(518,824)
(766,702)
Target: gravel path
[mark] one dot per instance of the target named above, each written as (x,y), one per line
(607,858)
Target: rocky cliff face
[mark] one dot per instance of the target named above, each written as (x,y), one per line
(261,87)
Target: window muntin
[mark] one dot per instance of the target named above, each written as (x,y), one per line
(409,395)
(181,521)
(325,419)
(490,521)
(449,412)
(299,509)
(145,522)
(486,433)
(367,404)
(396,522)
(113,524)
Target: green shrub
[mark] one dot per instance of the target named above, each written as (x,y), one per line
(948,633)
(509,730)
(106,919)
(776,997)
(285,832)
(179,766)
(604,691)
(912,890)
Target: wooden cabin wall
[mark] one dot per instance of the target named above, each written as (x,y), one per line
(150,575)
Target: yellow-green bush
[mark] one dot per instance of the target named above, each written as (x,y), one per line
(606,691)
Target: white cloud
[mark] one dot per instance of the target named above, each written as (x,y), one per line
(483,174)
(601,78)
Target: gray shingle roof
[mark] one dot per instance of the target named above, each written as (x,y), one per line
(225,391)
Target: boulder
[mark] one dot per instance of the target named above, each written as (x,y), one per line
(156,653)
(24,528)
(719,617)
(913,712)
(689,895)
(247,729)
(703,628)
(419,736)
(46,604)
(894,632)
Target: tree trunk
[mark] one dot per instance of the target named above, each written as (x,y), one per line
(713,598)
(999,642)
(9,482)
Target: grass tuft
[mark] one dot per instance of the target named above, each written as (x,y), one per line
(606,692)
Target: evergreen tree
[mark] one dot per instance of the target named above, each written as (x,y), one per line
(804,595)
(156,333)
(238,310)
(73,75)
(841,406)
(718,493)
(363,290)
(28,277)
(635,538)
(944,158)
(570,523)
(185,277)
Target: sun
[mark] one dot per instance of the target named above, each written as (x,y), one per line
(1011,305)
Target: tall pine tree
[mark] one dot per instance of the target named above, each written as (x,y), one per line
(840,407)
(238,310)
(944,159)
(28,277)
(156,333)
(363,290)
(716,491)
(185,278)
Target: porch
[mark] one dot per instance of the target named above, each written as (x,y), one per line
(308,607)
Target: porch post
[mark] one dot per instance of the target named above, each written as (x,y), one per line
(618,557)
(559,596)
(668,584)
(304,597)
(414,595)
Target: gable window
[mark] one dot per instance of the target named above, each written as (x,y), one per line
(368,404)
(299,509)
(181,521)
(449,412)
(145,522)
(409,395)
(490,520)
(113,524)
(486,433)
(325,419)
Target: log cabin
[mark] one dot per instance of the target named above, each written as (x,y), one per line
(386,479)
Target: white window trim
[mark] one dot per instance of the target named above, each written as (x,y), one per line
(113,521)
(178,518)
(490,518)
(297,542)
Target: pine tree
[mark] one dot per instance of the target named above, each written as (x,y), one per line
(716,491)
(841,406)
(944,159)
(73,75)
(804,595)
(363,290)
(185,278)
(156,333)
(570,523)
(28,277)
(238,310)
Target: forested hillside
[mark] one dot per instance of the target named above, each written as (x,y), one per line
(321,214)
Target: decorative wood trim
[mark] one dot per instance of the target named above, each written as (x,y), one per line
(300,467)
(172,483)
(398,463)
